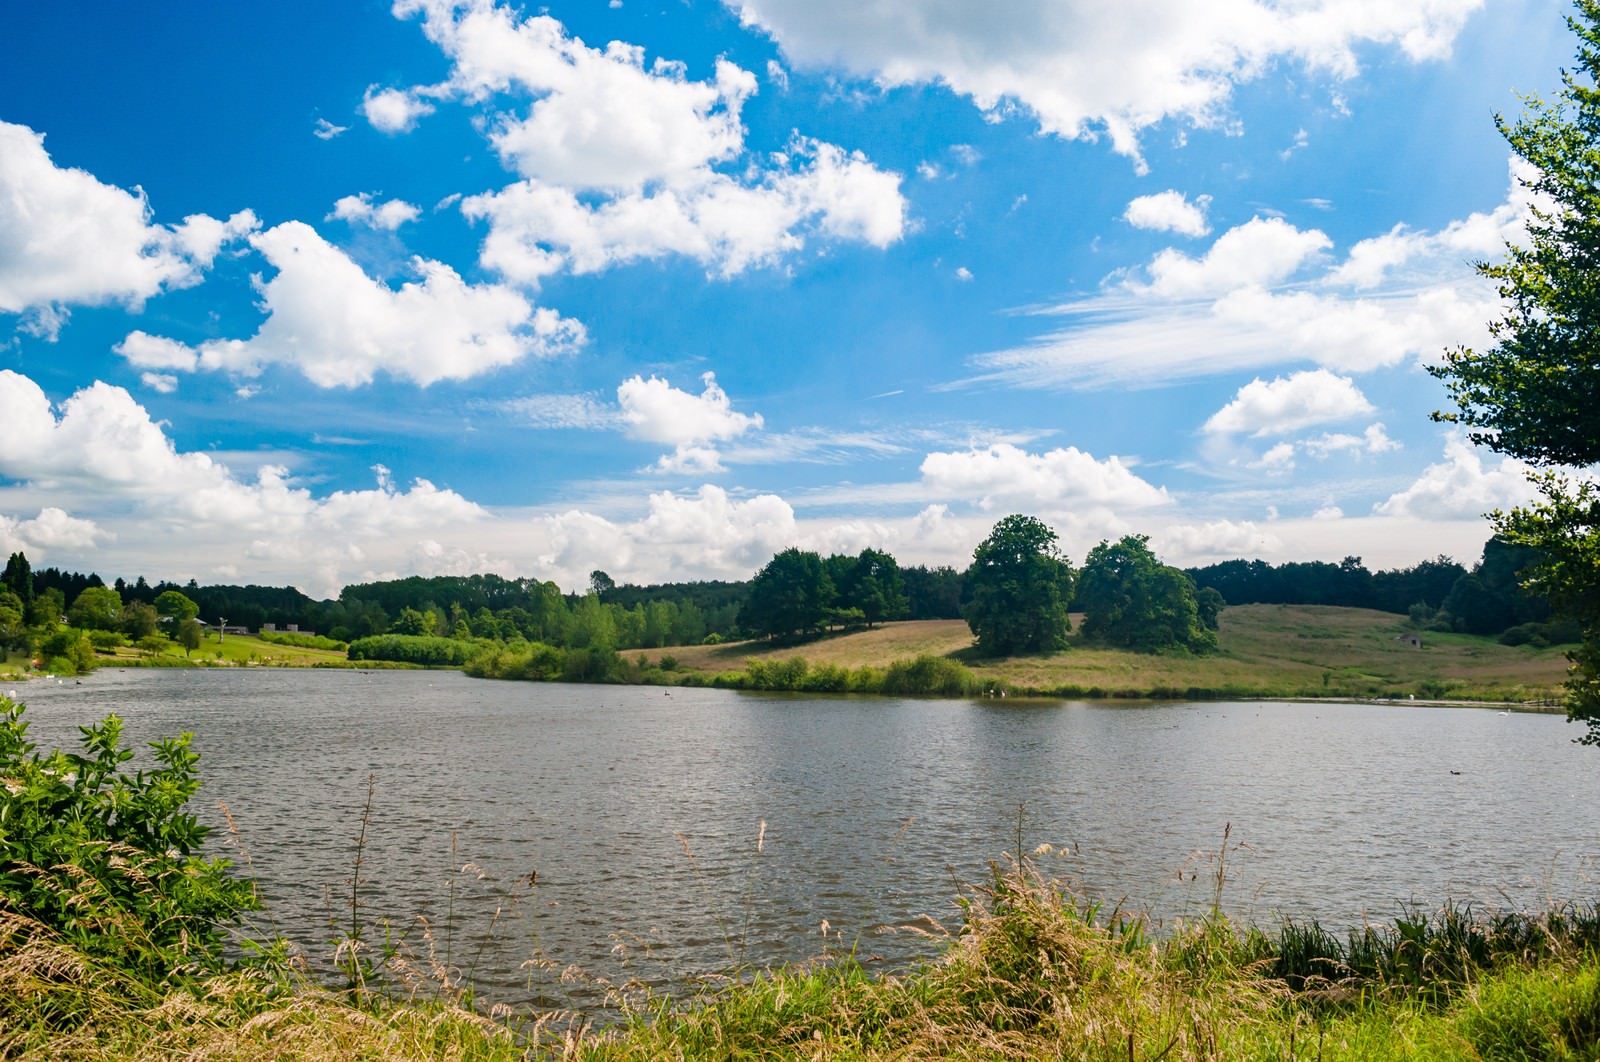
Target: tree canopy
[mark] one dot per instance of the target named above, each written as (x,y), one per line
(788,597)
(1535,393)
(1131,600)
(1020,588)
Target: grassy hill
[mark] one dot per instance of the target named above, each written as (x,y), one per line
(1265,651)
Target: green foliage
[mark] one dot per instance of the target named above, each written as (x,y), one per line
(174,606)
(413,649)
(47,609)
(929,676)
(139,620)
(108,859)
(67,651)
(97,608)
(1020,589)
(1535,394)
(1130,599)
(13,622)
(18,578)
(414,623)
(105,641)
(872,585)
(789,597)
(188,634)
(303,641)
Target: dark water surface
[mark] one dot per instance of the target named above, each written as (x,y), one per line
(875,809)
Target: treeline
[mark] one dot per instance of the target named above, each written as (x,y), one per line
(797,594)
(1438,594)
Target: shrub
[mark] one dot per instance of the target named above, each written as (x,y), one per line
(67,651)
(106,641)
(414,649)
(108,859)
(787,674)
(929,676)
(1524,634)
(303,641)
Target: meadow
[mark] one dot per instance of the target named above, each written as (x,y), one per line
(1264,651)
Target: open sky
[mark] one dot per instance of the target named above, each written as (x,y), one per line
(317,293)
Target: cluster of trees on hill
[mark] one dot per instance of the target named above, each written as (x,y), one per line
(1022,589)
(799,593)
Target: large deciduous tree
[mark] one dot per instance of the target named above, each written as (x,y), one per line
(98,608)
(174,606)
(1130,599)
(1020,589)
(1535,393)
(790,596)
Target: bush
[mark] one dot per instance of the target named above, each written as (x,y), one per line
(106,641)
(929,676)
(108,859)
(1524,634)
(414,649)
(67,651)
(303,641)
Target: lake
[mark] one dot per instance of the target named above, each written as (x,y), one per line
(616,828)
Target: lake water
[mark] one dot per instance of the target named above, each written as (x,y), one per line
(616,828)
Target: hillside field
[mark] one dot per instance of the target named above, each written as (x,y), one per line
(1264,651)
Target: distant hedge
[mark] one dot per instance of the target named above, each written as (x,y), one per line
(305,641)
(414,649)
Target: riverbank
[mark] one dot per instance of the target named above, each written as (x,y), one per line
(1036,971)
(1265,651)
(1298,651)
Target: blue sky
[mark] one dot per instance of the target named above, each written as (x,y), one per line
(317,294)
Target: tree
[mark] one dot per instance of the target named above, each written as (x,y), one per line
(47,609)
(1535,394)
(174,607)
(18,578)
(873,584)
(98,608)
(139,620)
(189,635)
(789,597)
(1020,589)
(1130,599)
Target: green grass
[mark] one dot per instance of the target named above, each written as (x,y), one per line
(234,650)
(1036,972)
(1264,651)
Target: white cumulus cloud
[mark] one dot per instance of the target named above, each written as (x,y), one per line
(625,159)
(67,238)
(1080,69)
(1262,251)
(340,327)
(1006,475)
(1461,486)
(394,110)
(537,229)
(655,411)
(361,210)
(1289,403)
(1169,211)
